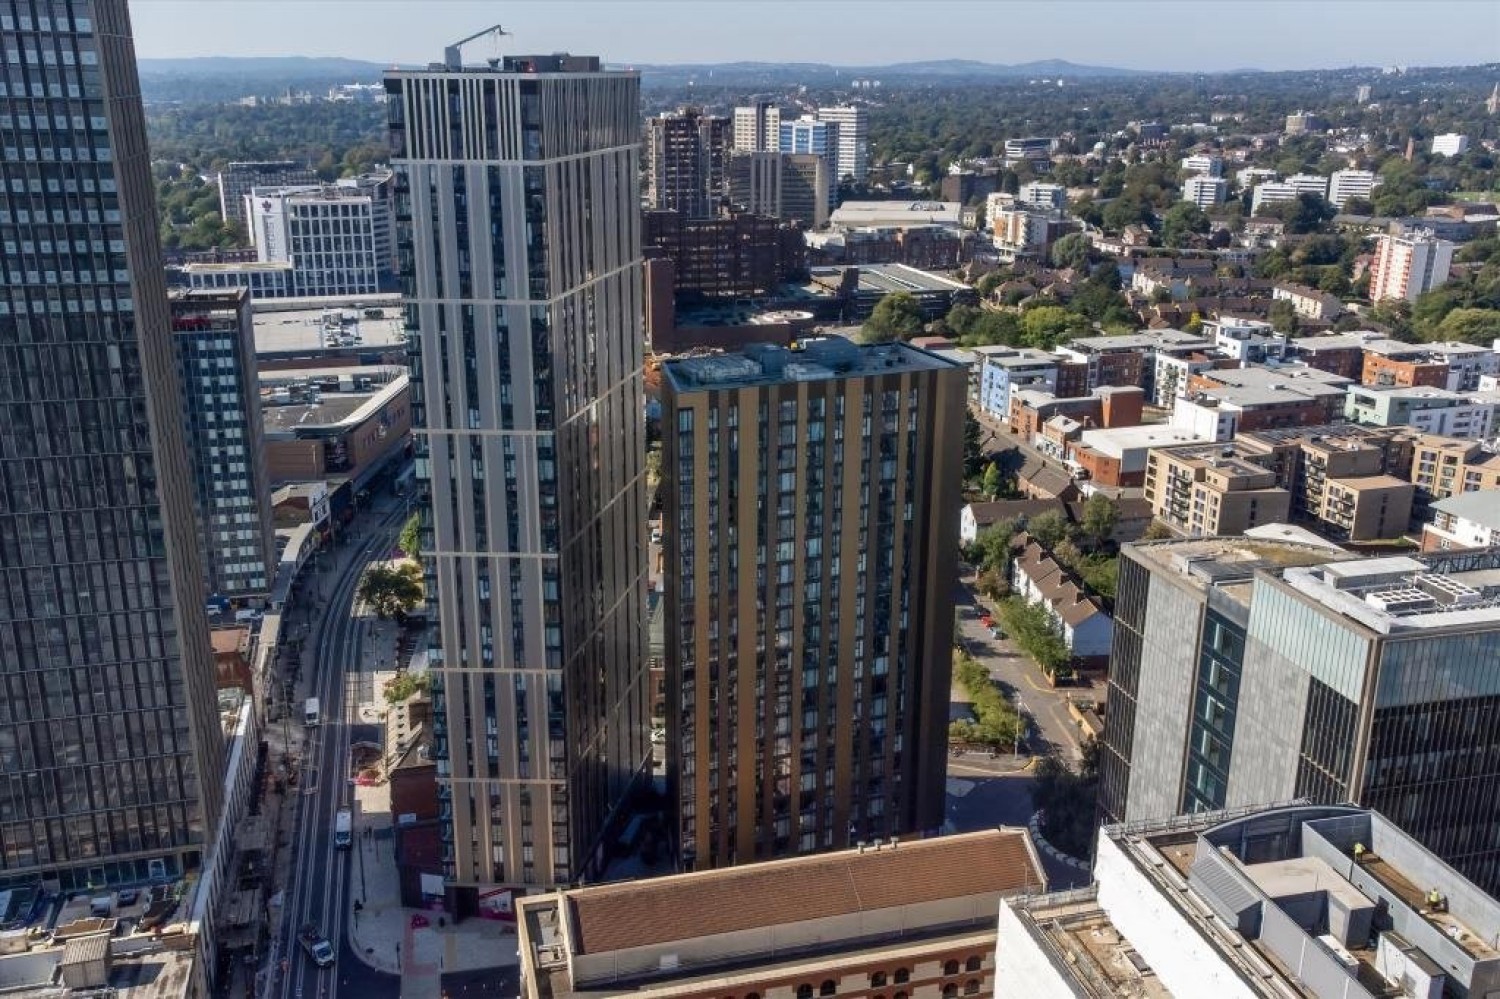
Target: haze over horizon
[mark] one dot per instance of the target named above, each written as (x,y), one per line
(1147,35)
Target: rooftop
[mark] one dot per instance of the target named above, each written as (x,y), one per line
(1115,441)
(1229,564)
(1021,357)
(622,916)
(1482,506)
(367,324)
(1146,340)
(1328,436)
(807,360)
(883,279)
(1074,930)
(330,412)
(863,213)
(1403,593)
(1289,896)
(1298,376)
(1290,532)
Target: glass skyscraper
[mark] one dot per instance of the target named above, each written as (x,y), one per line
(518,233)
(1313,674)
(110,745)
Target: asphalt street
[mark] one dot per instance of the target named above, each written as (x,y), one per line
(321,876)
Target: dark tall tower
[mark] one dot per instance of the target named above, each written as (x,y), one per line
(686,157)
(809,552)
(108,723)
(215,341)
(518,228)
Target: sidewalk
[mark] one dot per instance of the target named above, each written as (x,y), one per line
(381,932)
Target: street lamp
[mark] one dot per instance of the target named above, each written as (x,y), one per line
(1020,723)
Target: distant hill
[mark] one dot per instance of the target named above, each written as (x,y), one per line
(934,69)
(270,68)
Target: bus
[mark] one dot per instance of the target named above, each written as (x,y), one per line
(343,829)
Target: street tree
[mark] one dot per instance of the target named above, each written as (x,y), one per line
(392,592)
(410,539)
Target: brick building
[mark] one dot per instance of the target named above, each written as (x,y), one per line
(909,919)
(1107,406)
(340,435)
(741,256)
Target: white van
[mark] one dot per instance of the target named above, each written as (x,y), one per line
(310,712)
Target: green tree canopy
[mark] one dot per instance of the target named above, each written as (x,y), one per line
(410,539)
(897,316)
(1100,515)
(1044,325)
(1048,528)
(1072,250)
(993,481)
(1180,222)
(1476,326)
(392,592)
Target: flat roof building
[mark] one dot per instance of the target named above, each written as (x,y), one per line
(215,350)
(1245,670)
(817,646)
(238,178)
(1468,520)
(1297,900)
(530,453)
(887,214)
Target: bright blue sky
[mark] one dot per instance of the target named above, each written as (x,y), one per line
(1149,34)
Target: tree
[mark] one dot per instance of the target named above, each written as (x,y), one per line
(991,554)
(1282,316)
(1072,250)
(1048,528)
(993,482)
(1100,516)
(1157,531)
(1180,222)
(988,283)
(973,453)
(392,592)
(1476,326)
(1044,325)
(1067,801)
(410,539)
(1036,633)
(897,316)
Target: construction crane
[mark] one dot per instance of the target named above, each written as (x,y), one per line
(453,54)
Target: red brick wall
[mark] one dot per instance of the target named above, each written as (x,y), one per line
(1121,369)
(1380,370)
(1106,470)
(414,792)
(1346,361)
(852,980)
(1122,409)
(1308,414)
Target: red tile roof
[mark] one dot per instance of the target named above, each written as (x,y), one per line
(687,906)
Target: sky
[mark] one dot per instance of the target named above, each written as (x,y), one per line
(1202,35)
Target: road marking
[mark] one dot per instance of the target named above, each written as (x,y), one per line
(959,788)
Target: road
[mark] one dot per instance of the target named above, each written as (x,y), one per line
(1021,680)
(320,878)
